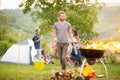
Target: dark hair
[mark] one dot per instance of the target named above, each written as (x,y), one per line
(75,32)
(37,29)
(43,52)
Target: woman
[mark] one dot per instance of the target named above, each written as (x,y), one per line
(47,58)
(75,54)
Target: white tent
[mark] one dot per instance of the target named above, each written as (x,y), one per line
(20,53)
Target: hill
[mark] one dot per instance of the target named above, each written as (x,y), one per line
(109,21)
(18,21)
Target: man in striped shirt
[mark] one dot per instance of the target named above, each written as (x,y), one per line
(62,30)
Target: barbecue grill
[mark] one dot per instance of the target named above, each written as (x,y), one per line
(91,53)
(90,56)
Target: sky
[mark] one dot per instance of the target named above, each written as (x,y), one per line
(14,4)
(109,1)
(10,4)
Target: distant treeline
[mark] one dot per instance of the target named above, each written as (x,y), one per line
(18,21)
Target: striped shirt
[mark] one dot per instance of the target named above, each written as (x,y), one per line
(62,31)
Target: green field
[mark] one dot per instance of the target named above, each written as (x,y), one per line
(27,72)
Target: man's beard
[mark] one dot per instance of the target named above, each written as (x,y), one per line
(62,19)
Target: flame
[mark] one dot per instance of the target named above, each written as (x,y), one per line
(109,45)
(119,29)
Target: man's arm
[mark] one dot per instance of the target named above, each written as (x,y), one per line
(73,44)
(53,36)
(70,34)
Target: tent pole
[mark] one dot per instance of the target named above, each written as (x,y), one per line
(19,35)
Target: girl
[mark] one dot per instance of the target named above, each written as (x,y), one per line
(75,54)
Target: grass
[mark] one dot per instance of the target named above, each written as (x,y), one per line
(112,68)
(27,72)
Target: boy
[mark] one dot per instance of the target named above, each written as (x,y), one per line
(36,40)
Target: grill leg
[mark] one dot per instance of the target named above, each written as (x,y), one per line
(104,68)
(83,64)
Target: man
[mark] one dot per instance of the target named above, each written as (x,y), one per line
(62,29)
(36,40)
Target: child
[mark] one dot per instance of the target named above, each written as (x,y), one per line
(36,40)
(75,54)
(47,58)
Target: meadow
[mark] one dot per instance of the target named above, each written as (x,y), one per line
(27,72)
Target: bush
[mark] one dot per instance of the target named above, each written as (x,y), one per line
(110,58)
(4,45)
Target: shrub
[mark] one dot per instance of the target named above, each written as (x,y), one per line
(4,45)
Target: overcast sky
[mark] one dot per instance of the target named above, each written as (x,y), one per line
(10,4)
(13,4)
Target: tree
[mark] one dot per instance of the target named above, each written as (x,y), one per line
(80,13)
(6,39)
(4,26)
